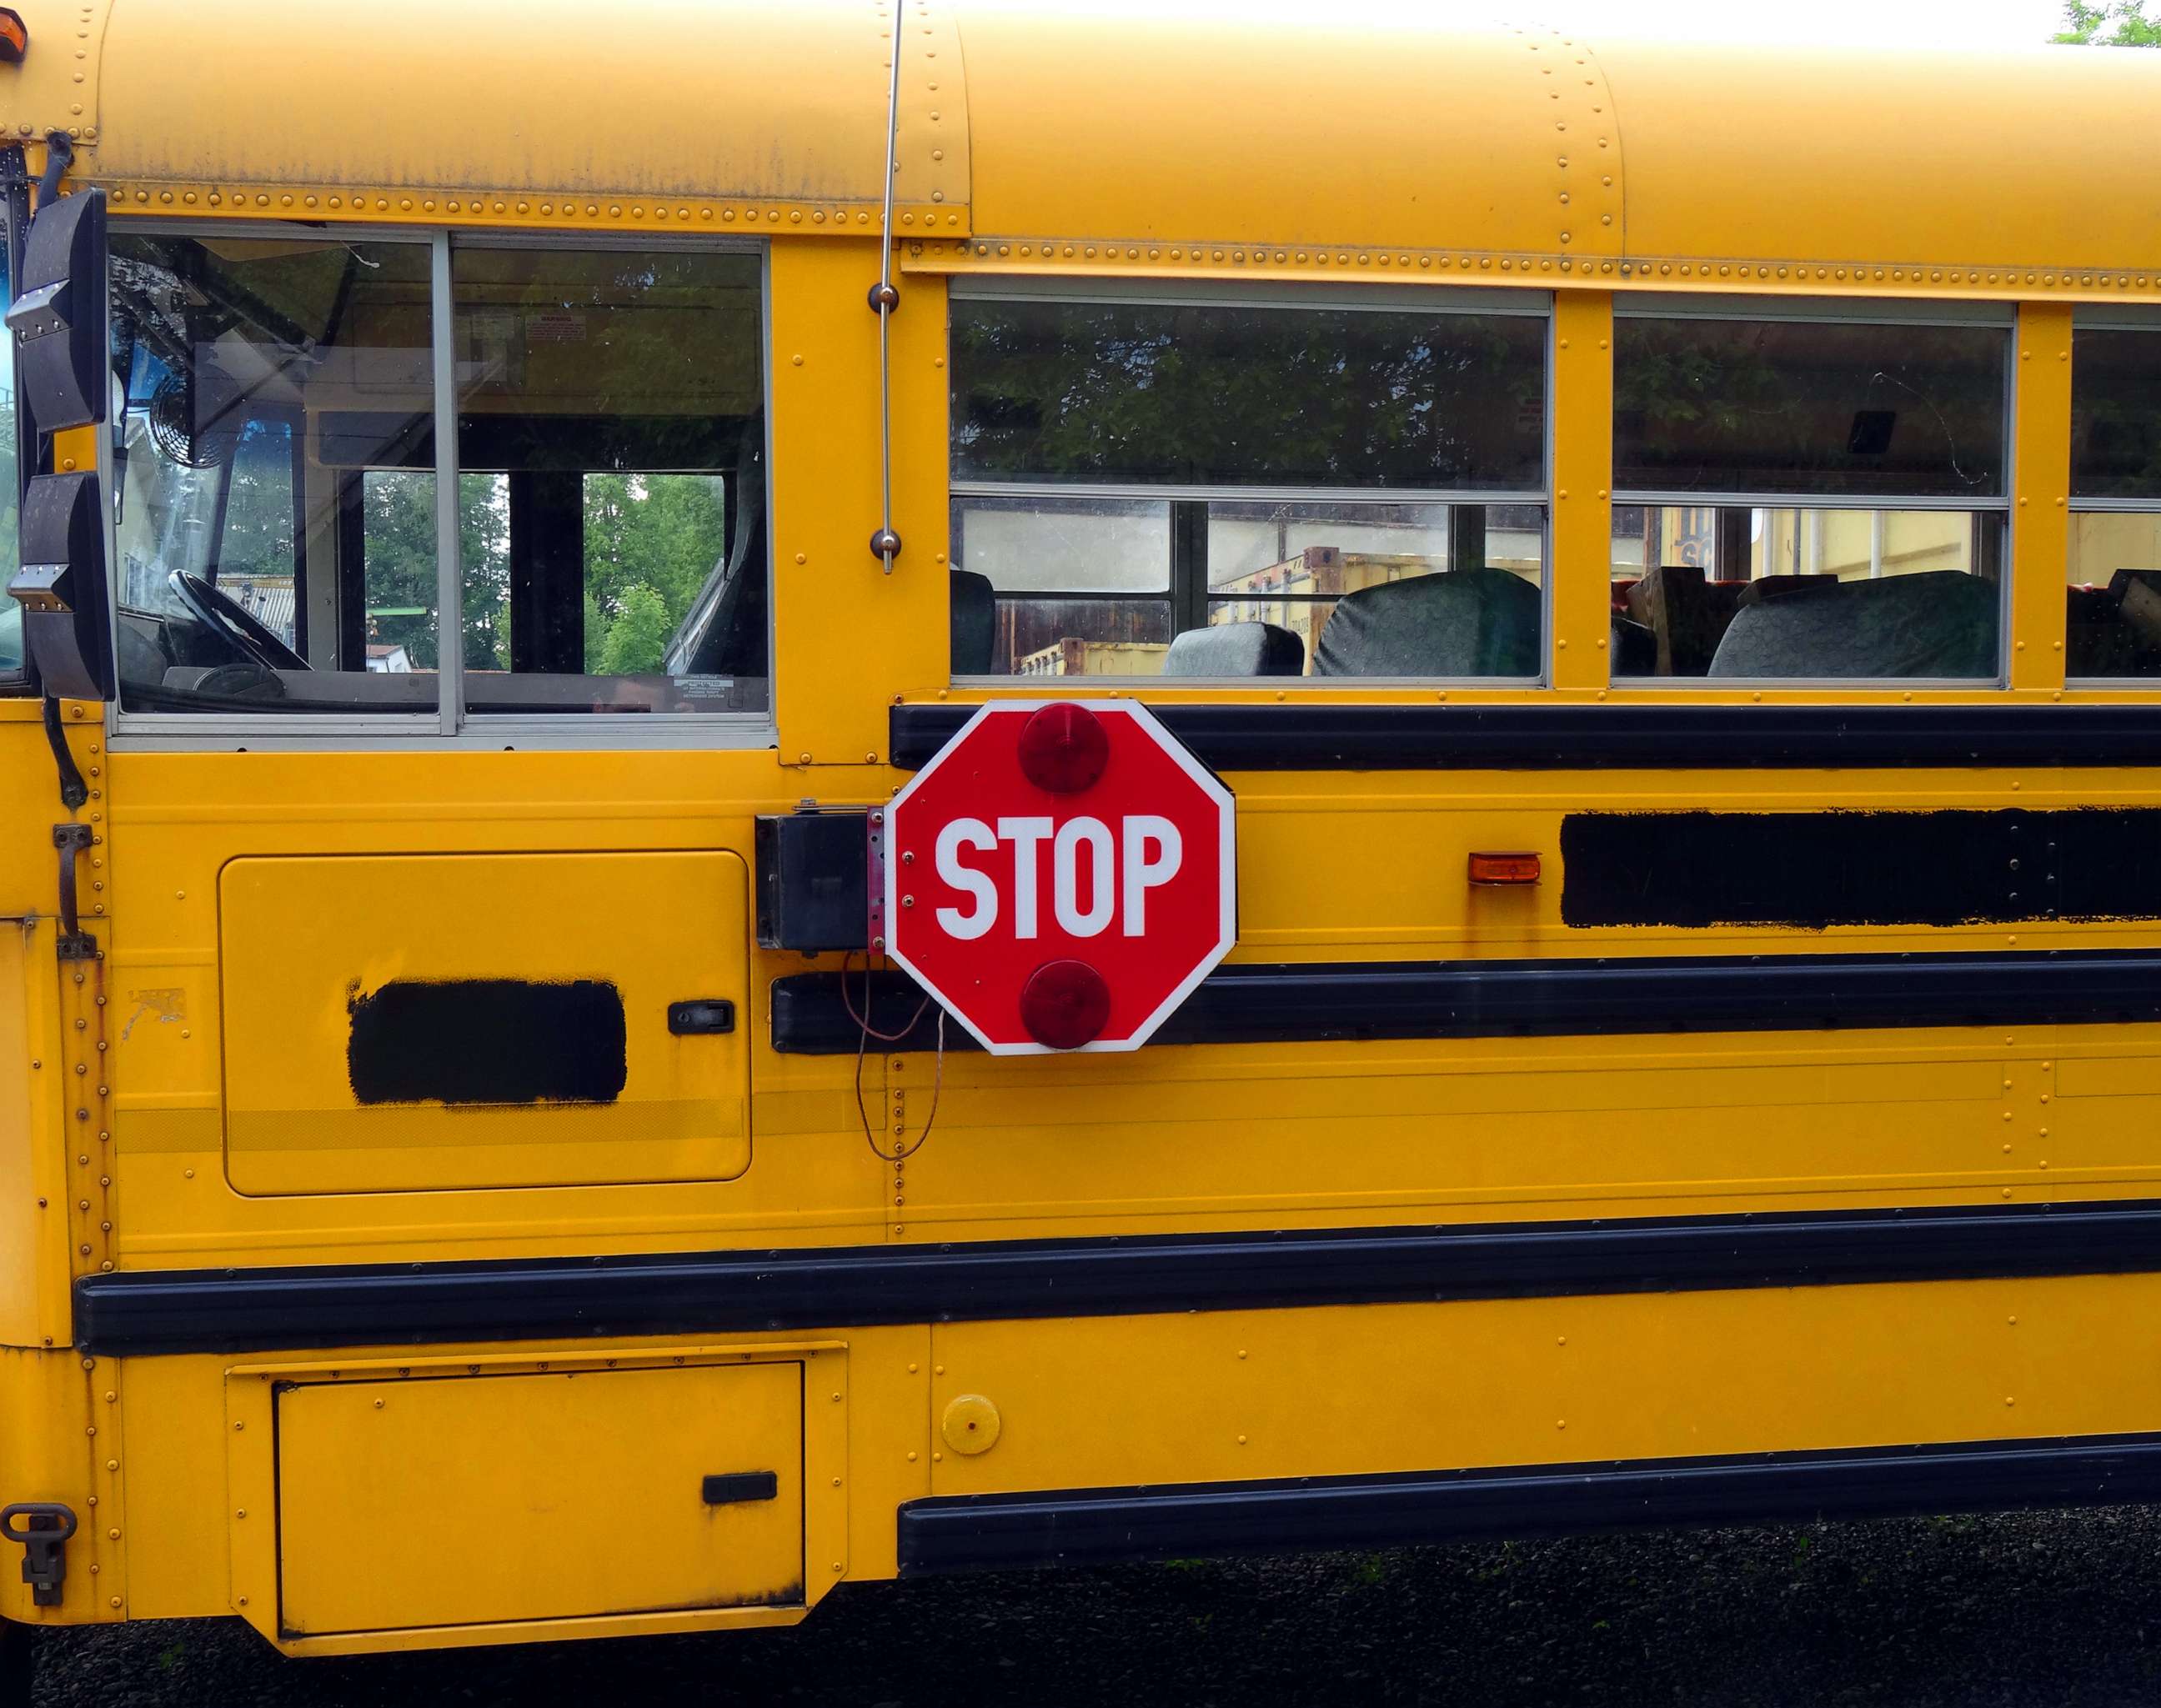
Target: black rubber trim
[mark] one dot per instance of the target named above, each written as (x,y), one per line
(1098,1526)
(731,1487)
(1289,737)
(1304,1002)
(226,1310)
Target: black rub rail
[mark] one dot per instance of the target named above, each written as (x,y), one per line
(1340,737)
(238,1310)
(1096,1526)
(1303,1003)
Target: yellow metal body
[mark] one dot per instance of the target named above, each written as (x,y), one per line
(178,1104)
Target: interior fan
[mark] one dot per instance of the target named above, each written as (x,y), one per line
(191,421)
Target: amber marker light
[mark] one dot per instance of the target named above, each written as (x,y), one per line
(14,36)
(1504,868)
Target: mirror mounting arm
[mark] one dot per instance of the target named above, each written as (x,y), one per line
(60,155)
(74,791)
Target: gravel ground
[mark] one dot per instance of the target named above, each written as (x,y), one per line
(2032,1610)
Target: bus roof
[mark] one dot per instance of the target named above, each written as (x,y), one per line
(1038,136)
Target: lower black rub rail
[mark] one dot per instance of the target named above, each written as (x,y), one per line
(128,1313)
(1098,1526)
(1579,997)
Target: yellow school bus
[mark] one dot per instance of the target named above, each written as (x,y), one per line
(1663,544)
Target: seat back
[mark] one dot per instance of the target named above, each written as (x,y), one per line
(1635,648)
(974,609)
(1941,622)
(1687,617)
(1463,622)
(1236,649)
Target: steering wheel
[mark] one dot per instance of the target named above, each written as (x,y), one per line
(223,617)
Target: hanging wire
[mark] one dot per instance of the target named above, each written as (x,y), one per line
(866,1032)
(885,544)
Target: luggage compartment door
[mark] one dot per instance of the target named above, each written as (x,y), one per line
(481,1499)
(432,1022)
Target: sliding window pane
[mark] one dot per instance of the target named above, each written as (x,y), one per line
(1317,581)
(273,475)
(1052,637)
(612,416)
(1048,585)
(2116,414)
(1802,592)
(1820,409)
(1247,540)
(2113,601)
(1227,393)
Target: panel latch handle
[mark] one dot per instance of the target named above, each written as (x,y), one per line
(701,1015)
(42,1527)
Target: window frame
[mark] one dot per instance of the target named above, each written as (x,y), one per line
(1188,593)
(449,726)
(1672,305)
(2113,317)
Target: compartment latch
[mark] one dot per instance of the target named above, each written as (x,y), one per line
(42,1527)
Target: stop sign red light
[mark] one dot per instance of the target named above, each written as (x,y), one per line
(1060,876)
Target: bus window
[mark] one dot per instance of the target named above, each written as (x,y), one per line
(1070,585)
(1290,565)
(267,382)
(614,559)
(11,613)
(1808,498)
(1247,485)
(2113,618)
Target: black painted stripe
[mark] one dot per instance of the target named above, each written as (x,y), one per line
(226,1310)
(487,1040)
(1097,1526)
(1809,870)
(1302,1002)
(1293,738)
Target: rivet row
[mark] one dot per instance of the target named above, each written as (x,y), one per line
(1435,262)
(366,204)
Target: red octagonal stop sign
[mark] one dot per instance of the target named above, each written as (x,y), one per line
(1061,875)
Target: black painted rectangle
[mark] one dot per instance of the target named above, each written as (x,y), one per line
(1812,870)
(488,1040)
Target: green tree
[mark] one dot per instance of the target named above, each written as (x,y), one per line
(399,511)
(2114,23)
(638,635)
(658,535)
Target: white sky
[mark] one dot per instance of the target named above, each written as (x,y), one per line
(1970,23)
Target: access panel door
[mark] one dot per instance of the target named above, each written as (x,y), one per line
(437,1022)
(486,1499)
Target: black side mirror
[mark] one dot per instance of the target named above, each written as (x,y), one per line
(58,314)
(59,323)
(67,619)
